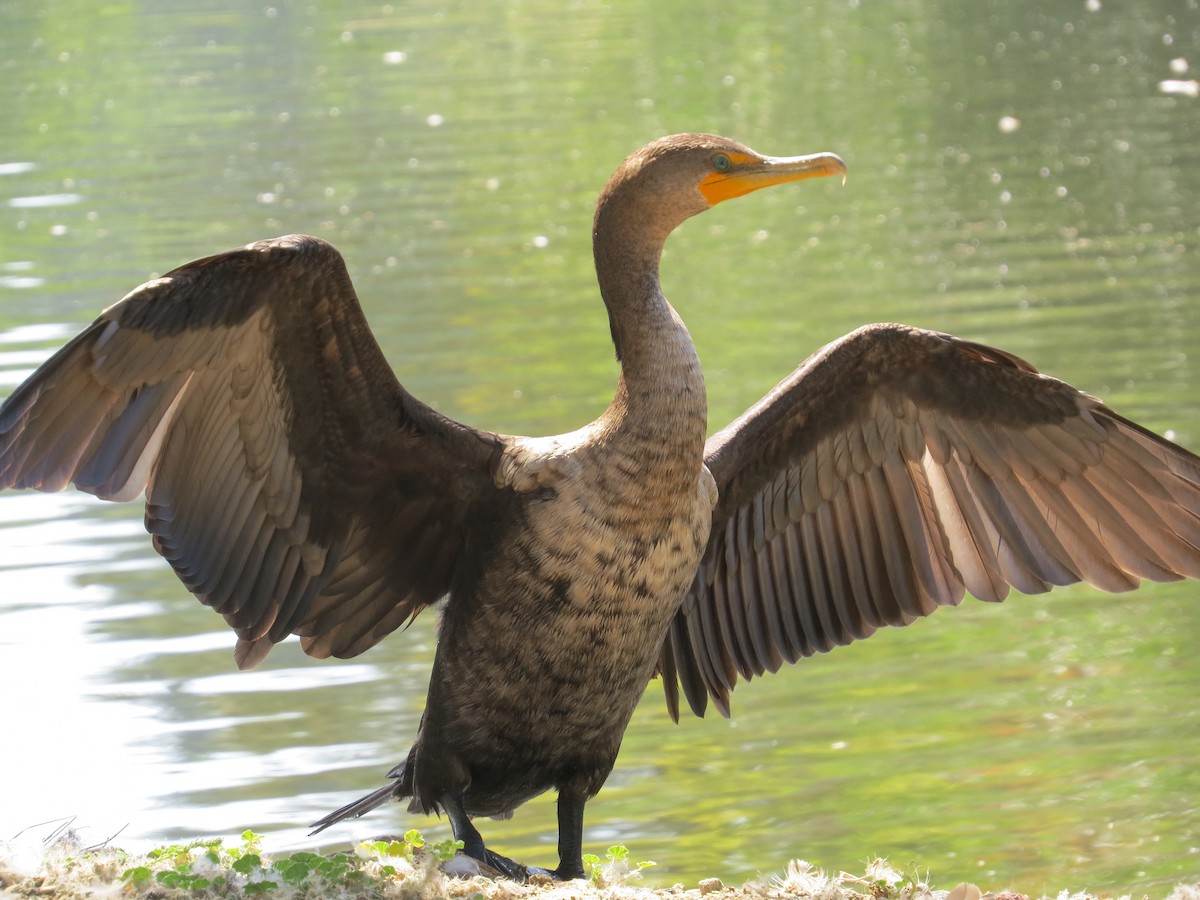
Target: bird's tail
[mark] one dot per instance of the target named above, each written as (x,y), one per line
(397,789)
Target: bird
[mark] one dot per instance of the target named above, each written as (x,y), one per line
(297,488)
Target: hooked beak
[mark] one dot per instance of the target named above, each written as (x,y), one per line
(749,173)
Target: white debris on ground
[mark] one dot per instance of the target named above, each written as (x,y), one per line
(68,871)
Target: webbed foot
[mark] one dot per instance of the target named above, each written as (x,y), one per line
(570,863)
(495,865)
(509,868)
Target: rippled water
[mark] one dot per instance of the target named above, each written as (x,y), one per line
(1018,177)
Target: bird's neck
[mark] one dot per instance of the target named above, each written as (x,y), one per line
(661,393)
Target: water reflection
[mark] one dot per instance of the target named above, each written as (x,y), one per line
(1017,176)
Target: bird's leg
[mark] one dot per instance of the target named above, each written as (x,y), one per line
(465,831)
(570,834)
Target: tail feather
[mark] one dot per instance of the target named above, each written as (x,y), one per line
(363,805)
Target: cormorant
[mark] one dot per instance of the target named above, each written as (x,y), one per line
(297,488)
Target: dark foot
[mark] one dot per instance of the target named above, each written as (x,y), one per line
(506,867)
(474,848)
(567,873)
(495,866)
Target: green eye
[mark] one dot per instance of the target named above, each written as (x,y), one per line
(721,162)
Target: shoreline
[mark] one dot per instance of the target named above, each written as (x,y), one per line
(406,868)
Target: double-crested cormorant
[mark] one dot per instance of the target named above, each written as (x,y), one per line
(297,488)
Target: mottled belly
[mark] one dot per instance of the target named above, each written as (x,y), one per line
(543,677)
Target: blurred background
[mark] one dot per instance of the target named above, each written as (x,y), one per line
(1022,173)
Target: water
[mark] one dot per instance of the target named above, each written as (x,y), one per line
(1018,177)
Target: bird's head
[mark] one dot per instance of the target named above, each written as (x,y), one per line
(684,174)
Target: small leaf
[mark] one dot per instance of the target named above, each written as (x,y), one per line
(137,874)
(447,849)
(591,864)
(292,870)
(247,863)
(413,838)
(333,867)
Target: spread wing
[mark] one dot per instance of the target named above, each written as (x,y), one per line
(290,480)
(894,471)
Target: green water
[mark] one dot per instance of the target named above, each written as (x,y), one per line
(453,152)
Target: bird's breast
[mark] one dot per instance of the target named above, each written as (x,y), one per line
(607,562)
(565,623)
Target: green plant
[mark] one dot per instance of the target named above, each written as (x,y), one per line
(175,865)
(209,866)
(618,868)
(446,850)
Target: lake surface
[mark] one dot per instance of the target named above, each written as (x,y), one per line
(1020,176)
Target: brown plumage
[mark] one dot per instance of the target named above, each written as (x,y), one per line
(297,488)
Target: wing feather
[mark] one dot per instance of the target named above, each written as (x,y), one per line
(815,616)
(791,641)
(898,469)
(722,653)
(290,480)
(852,512)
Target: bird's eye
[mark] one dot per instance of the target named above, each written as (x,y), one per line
(721,162)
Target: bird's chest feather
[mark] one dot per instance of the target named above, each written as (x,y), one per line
(572,605)
(605,537)
(611,565)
